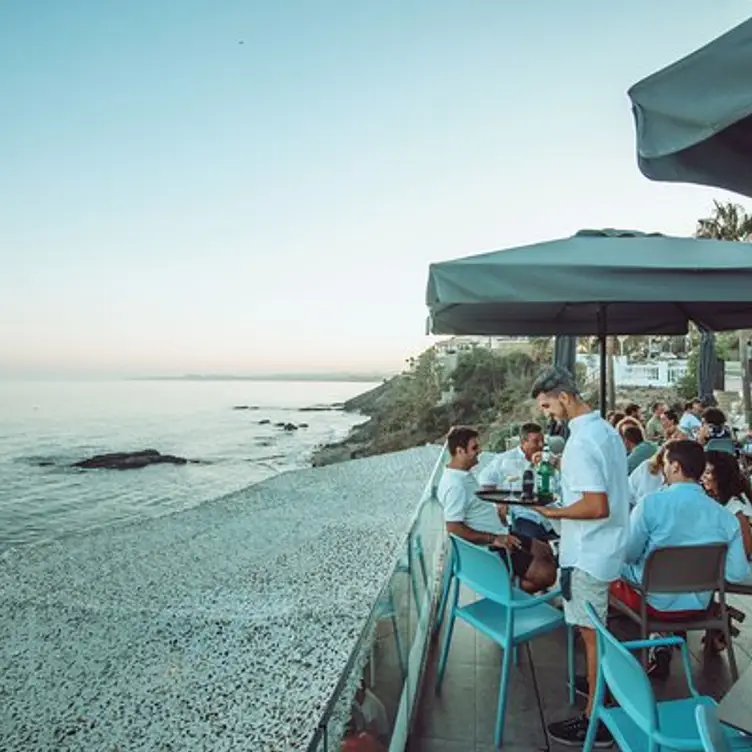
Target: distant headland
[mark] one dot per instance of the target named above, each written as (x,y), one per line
(372,378)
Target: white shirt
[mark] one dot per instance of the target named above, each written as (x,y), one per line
(595,461)
(682,515)
(642,482)
(511,463)
(737,505)
(690,424)
(456,493)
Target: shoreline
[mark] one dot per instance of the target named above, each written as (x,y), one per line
(210,620)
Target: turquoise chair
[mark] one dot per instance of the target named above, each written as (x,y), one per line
(640,723)
(446,585)
(711,732)
(508,616)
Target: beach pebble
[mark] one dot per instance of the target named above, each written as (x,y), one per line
(225,626)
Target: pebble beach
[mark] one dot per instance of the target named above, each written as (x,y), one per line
(224,626)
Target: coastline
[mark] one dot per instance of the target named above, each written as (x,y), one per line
(228,624)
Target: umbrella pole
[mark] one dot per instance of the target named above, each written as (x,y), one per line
(602,329)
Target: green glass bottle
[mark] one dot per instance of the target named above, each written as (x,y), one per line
(545,474)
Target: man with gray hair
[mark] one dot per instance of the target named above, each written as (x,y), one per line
(594,515)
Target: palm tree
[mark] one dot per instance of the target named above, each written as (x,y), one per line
(731,222)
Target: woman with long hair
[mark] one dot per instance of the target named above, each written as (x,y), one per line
(647,477)
(724,481)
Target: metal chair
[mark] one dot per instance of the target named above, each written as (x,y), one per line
(684,569)
(508,616)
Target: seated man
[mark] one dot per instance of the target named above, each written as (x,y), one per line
(507,468)
(714,434)
(670,423)
(690,420)
(680,515)
(638,450)
(480,522)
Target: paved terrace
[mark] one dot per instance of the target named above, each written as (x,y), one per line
(462,717)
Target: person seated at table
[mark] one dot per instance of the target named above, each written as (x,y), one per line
(690,420)
(724,482)
(714,433)
(633,410)
(654,429)
(506,469)
(638,449)
(670,423)
(647,477)
(680,515)
(615,417)
(481,522)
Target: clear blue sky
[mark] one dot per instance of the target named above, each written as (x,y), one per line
(173,200)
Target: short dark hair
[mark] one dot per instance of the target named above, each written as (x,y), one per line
(689,404)
(632,433)
(616,418)
(714,416)
(632,409)
(671,415)
(689,455)
(527,428)
(459,437)
(654,406)
(556,380)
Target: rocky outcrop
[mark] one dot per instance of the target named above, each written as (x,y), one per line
(129,460)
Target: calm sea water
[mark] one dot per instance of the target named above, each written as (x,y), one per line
(46,426)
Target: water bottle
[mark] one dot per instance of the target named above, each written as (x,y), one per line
(528,483)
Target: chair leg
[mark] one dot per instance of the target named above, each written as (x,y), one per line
(445,650)
(592,728)
(398,644)
(506,665)
(730,650)
(570,663)
(447,636)
(446,586)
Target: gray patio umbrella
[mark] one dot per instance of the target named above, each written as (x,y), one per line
(565,353)
(706,369)
(694,118)
(597,282)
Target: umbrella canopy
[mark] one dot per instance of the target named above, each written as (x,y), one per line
(600,282)
(694,118)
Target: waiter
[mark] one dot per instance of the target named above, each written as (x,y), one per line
(594,519)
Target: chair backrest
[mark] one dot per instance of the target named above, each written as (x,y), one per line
(711,732)
(626,679)
(481,570)
(686,569)
(721,445)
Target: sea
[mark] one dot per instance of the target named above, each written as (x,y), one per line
(46,426)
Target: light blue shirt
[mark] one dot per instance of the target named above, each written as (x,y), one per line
(682,515)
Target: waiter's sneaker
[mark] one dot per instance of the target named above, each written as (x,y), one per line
(581,689)
(572,732)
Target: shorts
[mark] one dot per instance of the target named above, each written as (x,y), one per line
(584,588)
(521,557)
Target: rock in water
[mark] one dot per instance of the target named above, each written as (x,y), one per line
(129,460)
(289,427)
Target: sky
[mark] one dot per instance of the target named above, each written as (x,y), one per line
(250,186)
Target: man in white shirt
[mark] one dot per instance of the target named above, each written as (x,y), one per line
(690,421)
(506,470)
(480,522)
(594,521)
